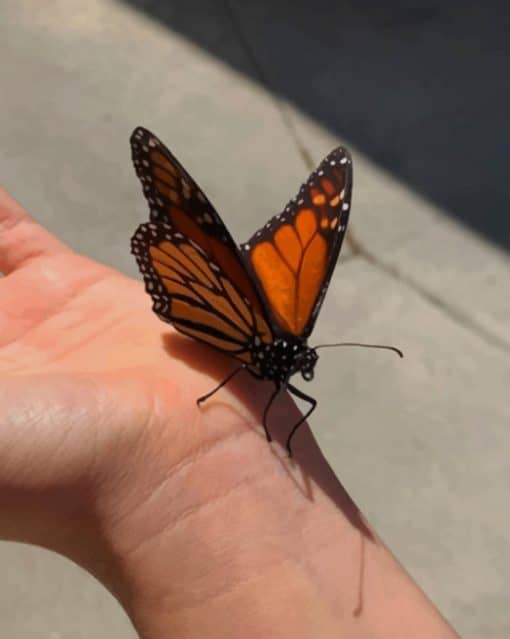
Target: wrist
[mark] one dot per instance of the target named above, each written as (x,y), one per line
(248,540)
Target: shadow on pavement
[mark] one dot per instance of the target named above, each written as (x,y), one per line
(420,87)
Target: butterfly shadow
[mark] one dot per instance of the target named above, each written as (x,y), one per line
(307,466)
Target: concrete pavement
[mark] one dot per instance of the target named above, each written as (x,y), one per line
(421,444)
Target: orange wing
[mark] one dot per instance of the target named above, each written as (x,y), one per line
(192,292)
(176,199)
(294,255)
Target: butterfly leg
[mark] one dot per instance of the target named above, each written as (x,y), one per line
(313,403)
(266,411)
(221,384)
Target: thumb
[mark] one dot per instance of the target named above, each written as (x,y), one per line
(22,239)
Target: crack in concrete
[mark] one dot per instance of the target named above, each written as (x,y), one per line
(455,314)
(357,248)
(266,84)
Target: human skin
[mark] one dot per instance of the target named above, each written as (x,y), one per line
(186,515)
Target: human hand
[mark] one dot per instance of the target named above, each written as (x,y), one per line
(187,515)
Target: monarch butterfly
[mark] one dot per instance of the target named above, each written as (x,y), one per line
(258,302)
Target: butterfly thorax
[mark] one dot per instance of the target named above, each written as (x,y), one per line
(282,358)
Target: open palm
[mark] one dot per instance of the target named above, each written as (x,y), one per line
(63,313)
(85,333)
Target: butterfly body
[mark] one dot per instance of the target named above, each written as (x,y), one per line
(257,302)
(281,359)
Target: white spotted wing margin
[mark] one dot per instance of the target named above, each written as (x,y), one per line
(167,185)
(190,291)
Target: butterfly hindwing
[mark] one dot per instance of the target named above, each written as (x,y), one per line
(192,292)
(293,256)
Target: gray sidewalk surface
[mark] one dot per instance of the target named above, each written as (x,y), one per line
(250,95)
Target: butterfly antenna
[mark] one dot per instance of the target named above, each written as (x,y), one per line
(388,348)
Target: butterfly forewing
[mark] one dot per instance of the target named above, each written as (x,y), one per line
(175,199)
(293,256)
(167,184)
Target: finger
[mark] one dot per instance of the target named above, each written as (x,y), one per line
(21,238)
